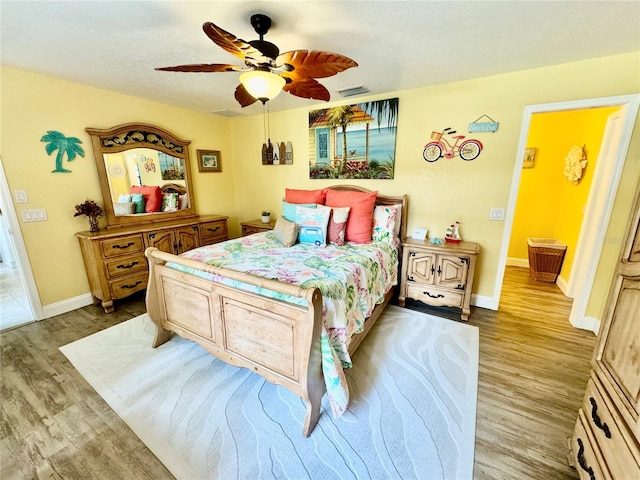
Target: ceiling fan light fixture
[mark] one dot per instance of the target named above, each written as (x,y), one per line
(262,85)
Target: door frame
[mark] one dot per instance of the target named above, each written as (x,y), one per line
(632,102)
(22,258)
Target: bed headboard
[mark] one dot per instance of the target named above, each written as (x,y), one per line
(384,200)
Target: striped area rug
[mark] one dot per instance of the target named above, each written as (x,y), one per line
(412,412)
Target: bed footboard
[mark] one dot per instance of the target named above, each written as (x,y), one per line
(276,339)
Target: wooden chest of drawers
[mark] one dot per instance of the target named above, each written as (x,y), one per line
(115,262)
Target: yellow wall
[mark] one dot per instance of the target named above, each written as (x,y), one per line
(439,193)
(548,205)
(33,104)
(447,190)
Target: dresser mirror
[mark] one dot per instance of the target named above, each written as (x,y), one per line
(145,174)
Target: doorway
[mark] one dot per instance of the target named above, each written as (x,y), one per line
(617,137)
(19,295)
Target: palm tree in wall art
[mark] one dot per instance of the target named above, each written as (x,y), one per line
(353,141)
(64,145)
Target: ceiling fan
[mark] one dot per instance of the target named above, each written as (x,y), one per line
(267,71)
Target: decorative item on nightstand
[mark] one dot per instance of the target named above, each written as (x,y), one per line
(266,217)
(453,233)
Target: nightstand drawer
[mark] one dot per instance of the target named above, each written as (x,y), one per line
(126,286)
(434,296)
(122,245)
(213,232)
(126,265)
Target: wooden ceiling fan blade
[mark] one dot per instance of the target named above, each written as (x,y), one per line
(314,64)
(306,88)
(243,97)
(230,43)
(202,67)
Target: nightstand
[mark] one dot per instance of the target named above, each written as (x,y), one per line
(438,275)
(255,226)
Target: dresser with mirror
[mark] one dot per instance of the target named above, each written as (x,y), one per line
(148,198)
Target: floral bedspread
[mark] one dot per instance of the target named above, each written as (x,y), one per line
(353,279)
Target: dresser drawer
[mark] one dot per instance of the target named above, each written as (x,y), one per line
(434,296)
(124,287)
(605,425)
(586,457)
(126,265)
(213,232)
(122,245)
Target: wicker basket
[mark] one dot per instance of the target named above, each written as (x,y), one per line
(545,258)
(436,136)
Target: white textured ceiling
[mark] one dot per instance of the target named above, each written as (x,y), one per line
(115,45)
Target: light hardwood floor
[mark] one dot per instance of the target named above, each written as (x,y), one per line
(532,375)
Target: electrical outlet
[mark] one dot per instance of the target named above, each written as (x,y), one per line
(496,214)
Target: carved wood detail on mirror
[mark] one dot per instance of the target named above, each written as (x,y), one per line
(144,173)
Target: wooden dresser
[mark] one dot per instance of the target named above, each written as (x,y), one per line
(438,275)
(115,262)
(606,440)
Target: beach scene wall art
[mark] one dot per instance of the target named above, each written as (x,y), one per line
(353,141)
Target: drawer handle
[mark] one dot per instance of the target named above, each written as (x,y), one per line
(433,269)
(132,264)
(433,296)
(439,270)
(130,244)
(213,229)
(582,462)
(596,419)
(132,286)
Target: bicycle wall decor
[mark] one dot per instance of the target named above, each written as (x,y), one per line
(447,144)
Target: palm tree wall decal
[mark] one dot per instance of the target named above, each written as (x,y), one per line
(64,145)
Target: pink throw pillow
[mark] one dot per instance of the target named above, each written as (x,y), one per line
(360,221)
(305,196)
(152,197)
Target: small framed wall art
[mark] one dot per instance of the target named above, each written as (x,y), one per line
(209,161)
(529,157)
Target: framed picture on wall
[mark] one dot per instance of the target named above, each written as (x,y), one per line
(209,161)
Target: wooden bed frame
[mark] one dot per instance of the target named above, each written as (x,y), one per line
(276,339)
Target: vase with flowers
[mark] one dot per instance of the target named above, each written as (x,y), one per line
(92,210)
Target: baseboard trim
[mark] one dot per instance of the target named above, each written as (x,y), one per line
(518,262)
(483,301)
(67,305)
(588,323)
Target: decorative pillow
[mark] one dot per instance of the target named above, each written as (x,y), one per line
(124,208)
(384,223)
(138,199)
(305,196)
(313,225)
(183,201)
(152,197)
(170,202)
(289,209)
(360,218)
(124,198)
(337,225)
(398,218)
(286,232)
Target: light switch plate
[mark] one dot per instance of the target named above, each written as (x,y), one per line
(496,214)
(21,196)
